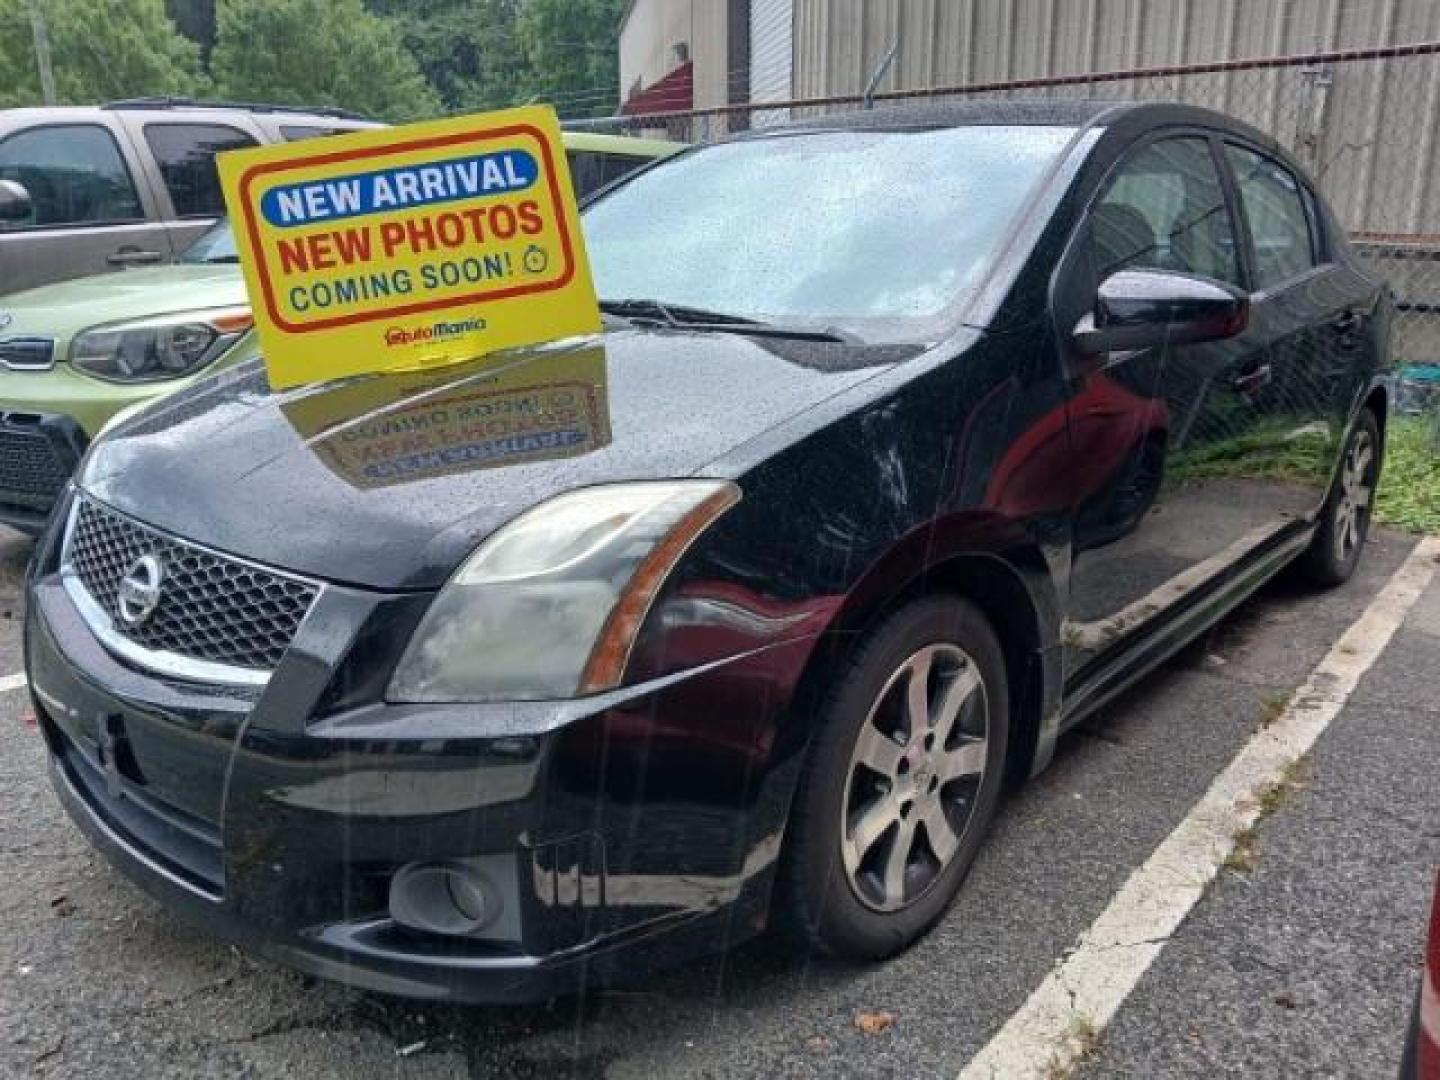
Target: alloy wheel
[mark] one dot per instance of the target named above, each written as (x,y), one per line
(1357,484)
(914,777)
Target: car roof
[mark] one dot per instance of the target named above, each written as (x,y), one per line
(1053,112)
(59,114)
(582,141)
(597,143)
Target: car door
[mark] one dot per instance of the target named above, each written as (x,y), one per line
(182,153)
(1159,511)
(1310,309)
(91,210)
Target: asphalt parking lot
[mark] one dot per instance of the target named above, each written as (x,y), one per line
(1300,958)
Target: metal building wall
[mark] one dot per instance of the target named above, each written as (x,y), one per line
(772,57)
(1367,130)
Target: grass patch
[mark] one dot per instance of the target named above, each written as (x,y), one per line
(1241,859)
(1272,707)
(1084,1040)
(1245,854)
(1274,796)
(1409,496)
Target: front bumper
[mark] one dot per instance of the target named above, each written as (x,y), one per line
(39,452)
(635,829)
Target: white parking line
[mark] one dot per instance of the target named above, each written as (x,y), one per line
(1048,1034)
(11,682)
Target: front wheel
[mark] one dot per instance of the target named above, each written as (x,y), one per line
(1344,523)
(901,783)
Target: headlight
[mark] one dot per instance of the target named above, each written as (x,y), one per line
(152,350)
(549,606)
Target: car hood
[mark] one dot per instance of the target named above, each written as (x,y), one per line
(63,310)
(390,481)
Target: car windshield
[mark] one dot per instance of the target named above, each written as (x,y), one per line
(875,232)
(215,246)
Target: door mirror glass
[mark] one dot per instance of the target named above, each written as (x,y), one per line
(1143,309)
(16,209)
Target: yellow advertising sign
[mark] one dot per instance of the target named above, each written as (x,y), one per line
(411,246)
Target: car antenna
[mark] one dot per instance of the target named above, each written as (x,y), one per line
(881,69)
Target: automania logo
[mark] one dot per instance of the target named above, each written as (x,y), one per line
(440,331)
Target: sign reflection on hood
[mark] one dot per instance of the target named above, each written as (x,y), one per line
(395,429)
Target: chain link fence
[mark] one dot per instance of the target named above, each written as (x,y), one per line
(1363,121)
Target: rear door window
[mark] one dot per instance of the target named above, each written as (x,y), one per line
(75,175)
(1274,208)
(185,154)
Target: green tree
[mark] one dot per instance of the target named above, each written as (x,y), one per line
(466,48)
(571,53)
(317,52)
(99,49)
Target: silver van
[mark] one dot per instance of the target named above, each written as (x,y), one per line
(88,189)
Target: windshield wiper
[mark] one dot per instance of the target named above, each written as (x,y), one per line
(217,260)
(680,316)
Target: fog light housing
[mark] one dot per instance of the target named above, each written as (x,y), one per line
(453,898)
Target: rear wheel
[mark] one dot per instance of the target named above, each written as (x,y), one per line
(901,783)
(1344,524)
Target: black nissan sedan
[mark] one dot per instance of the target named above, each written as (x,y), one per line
(912,438)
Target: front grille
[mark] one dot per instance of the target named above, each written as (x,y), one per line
(212,608)
(27,354)
(34,463)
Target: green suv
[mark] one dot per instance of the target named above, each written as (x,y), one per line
(72,355)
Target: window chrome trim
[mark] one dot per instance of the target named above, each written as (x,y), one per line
(161,661)
(20,339)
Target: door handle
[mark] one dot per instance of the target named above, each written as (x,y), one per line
(132,256)
(1253,381)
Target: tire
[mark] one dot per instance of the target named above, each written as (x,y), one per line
(1344,522)
(839,893)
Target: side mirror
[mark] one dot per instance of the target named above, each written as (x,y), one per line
(1142,309)
(15,205)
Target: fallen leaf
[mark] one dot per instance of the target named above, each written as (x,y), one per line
(62,905)
(873,1023)
(1285,1000)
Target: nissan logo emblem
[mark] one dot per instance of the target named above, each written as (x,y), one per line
(139,593)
